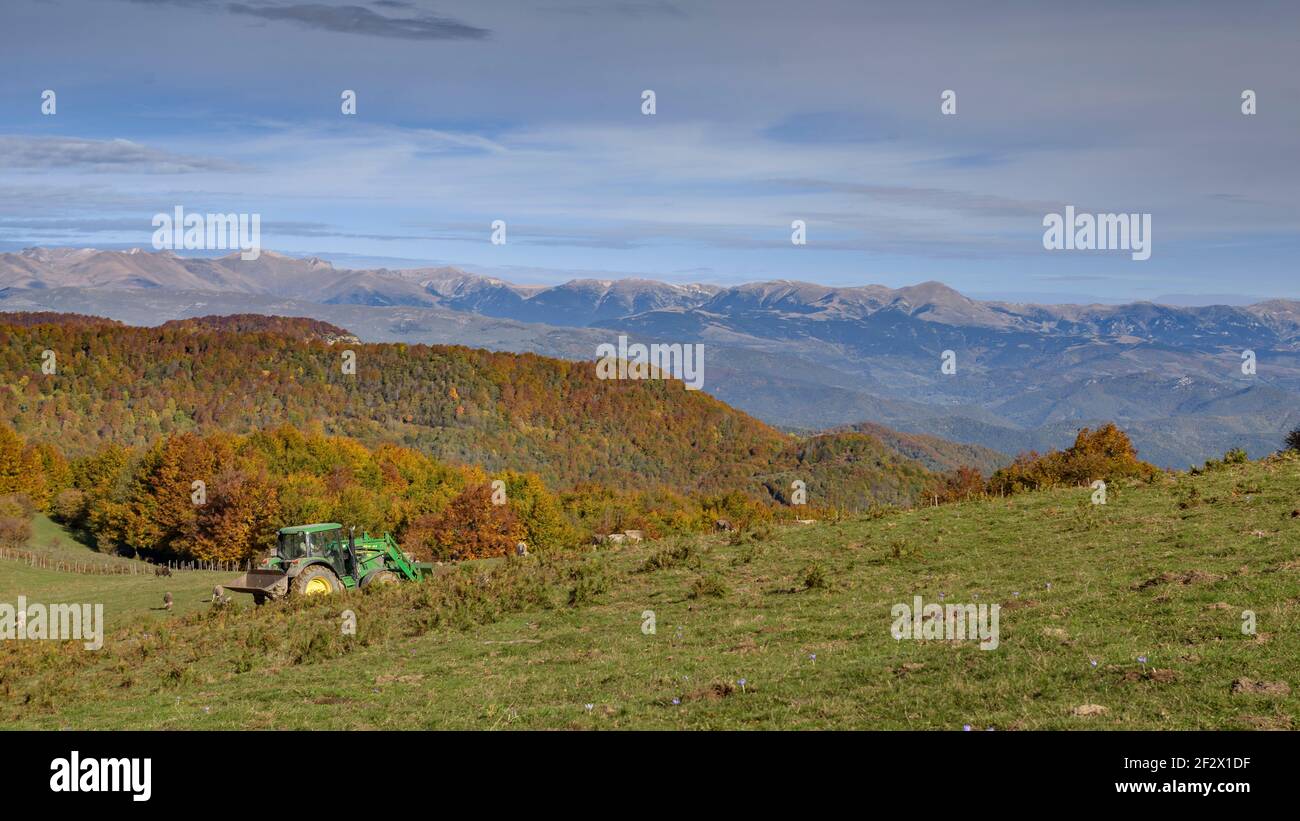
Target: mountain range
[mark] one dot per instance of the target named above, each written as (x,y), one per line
(797,355)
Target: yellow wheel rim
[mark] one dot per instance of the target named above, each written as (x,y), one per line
(318,586)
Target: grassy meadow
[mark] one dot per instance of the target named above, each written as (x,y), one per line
(1127,615)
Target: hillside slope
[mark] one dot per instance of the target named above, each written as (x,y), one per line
(116,383)
(500,410)
(935,454)
(1124,616)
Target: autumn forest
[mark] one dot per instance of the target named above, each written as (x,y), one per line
(199,438)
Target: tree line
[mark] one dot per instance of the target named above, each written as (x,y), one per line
(223,496)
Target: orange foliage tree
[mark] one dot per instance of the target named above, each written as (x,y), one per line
(1105,453)
(22,469)
(471,527)
(961,484)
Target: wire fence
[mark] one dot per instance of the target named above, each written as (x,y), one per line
(118,567)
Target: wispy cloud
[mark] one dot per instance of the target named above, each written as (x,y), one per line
(971,204)
(44,153)
(345,19)
(361,20)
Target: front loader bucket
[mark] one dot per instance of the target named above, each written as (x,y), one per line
(271,583)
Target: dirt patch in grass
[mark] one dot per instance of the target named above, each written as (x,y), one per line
(1152,674)
(1186,577)
(1016,604)
(746,645)
(716,691)
(1262,688)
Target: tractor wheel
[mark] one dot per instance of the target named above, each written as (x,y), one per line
(260,599)
(316,580)
(380,577)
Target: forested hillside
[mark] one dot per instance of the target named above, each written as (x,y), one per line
(936,454)
(130,386)
(286,421)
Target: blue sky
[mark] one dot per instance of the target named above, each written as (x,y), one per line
(767,112)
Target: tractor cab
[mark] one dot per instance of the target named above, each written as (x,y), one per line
(306,541)
(320,541)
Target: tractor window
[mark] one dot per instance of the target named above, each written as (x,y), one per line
(293,545)
(325,542)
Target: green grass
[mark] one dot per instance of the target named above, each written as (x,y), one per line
(56,543)
(1162,572)
(53,541)
(52,537)
(126,599)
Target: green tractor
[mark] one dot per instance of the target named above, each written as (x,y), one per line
(318,559)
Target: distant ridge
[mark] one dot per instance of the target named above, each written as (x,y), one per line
(795,354)
(576,303)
